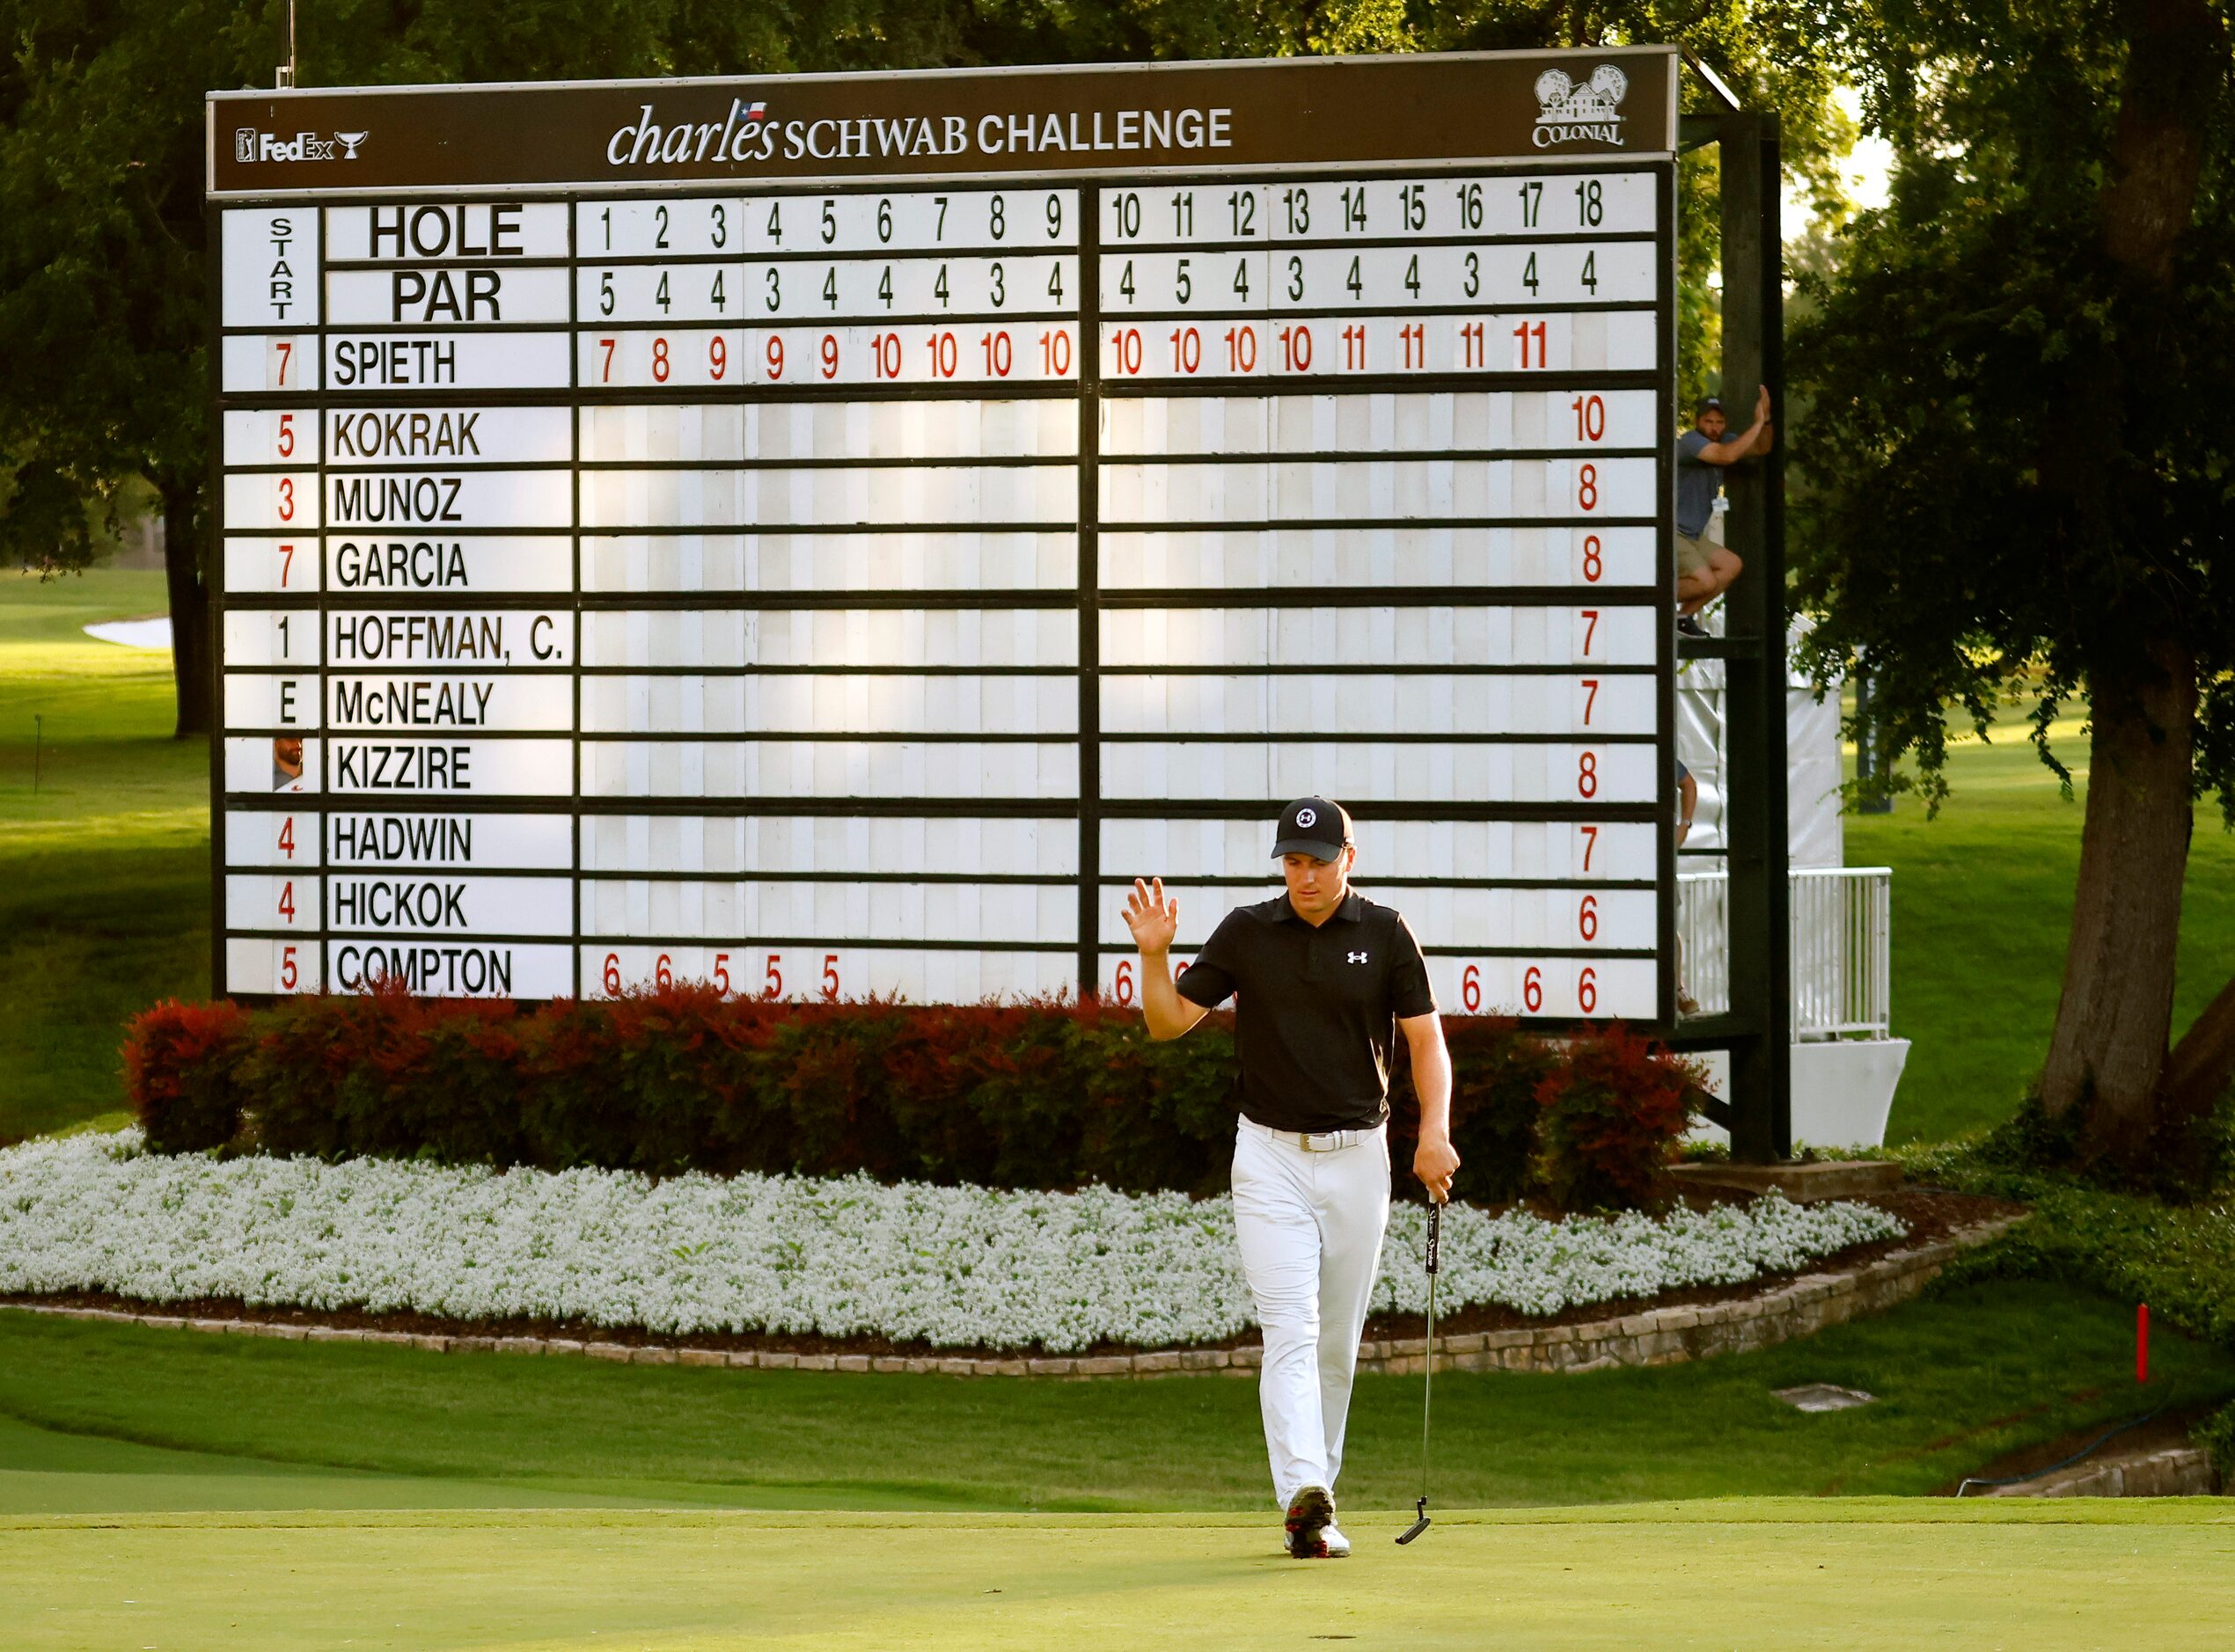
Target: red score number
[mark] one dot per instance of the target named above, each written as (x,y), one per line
(1470,988)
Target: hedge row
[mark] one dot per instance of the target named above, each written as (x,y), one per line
(1031,1095)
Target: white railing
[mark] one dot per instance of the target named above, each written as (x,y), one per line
(1842,947)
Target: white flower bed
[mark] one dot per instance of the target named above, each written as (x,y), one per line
(953,1267)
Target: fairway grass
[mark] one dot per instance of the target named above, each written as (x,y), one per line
(1982,909)
(104,845)
(1959,1380)
(1746,1574)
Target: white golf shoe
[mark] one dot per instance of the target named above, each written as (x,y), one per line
(1337,1547)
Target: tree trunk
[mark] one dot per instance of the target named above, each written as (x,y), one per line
(2107,1054)
(2109,1047)
(192,657)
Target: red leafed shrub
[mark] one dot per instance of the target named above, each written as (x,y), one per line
(180,1073)
(1044,1094)
(1495,1070)
(1609,1111)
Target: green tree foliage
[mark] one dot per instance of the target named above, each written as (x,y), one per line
(2021,463)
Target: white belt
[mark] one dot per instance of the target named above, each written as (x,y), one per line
(1312,1142)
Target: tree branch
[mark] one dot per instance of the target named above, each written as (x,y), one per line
(2203,1064)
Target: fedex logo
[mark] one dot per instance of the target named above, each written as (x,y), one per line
(249,145)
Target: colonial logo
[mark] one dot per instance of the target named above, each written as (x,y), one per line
(249,145)
(1570,113)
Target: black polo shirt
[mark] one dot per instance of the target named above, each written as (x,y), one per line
(1317,1008)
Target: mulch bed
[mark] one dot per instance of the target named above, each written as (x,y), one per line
(1930,1213)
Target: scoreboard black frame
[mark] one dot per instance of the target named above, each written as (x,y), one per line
(339,861)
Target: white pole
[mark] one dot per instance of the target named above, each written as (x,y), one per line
(286,70)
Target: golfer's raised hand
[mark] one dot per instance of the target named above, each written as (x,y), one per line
(1762,404)
(1154,920)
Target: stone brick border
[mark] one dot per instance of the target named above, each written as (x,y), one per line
(2171,1470)
(1657,1337)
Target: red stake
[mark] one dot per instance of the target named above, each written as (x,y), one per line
(2141,1343)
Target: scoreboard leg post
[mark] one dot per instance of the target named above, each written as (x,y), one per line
(1760,942)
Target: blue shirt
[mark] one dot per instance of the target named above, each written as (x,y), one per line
(1697,484)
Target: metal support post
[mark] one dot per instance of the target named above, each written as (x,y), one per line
(1760,940)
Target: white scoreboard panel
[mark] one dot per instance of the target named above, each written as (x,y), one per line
(844,580)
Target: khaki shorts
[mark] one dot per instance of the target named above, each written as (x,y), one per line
(1692,555)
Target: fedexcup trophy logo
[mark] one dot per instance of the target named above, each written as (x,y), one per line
(251,144)
(1590,112)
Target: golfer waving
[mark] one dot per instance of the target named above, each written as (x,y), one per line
(1321,974)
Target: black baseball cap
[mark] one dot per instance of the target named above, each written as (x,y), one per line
(1313,826)
(1708,404)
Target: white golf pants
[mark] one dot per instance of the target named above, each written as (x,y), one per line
(1310,1227)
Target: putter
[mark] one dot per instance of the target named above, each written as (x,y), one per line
(1428,1377)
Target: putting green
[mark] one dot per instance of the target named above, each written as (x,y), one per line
(1766,1573)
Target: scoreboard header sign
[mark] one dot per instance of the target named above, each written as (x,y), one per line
(1339,111)
(826,535)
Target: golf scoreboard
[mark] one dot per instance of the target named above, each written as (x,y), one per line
(825,536)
